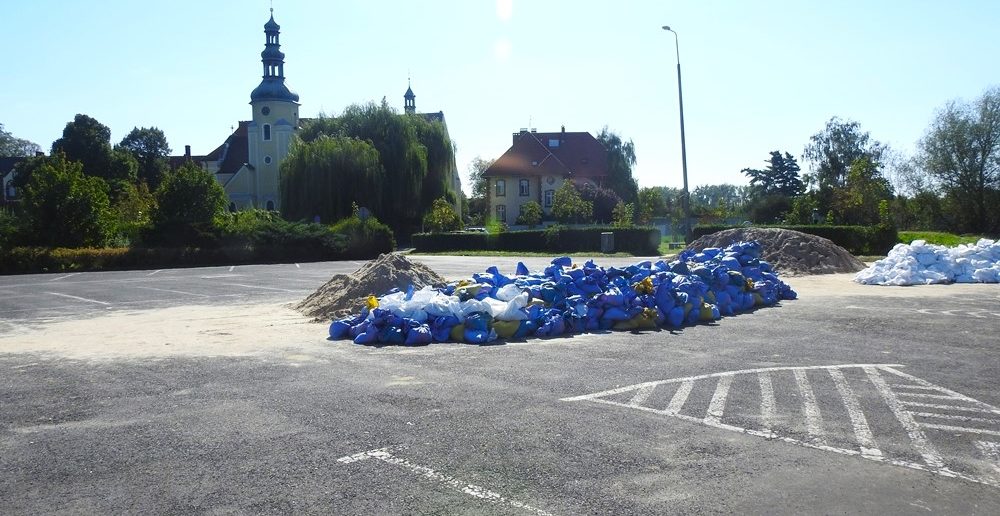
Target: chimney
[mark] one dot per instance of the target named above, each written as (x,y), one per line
(187,151)
(562,135)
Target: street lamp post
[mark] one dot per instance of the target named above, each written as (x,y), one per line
(686,199)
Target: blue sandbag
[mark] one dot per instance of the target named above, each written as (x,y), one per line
(563,261)
(521,270)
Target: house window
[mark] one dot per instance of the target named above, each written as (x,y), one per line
(270,205)
(267,160)
(549,195)
(11,191)
(553,144)
(501,213)
(523,187)
(501,188)
(267,132)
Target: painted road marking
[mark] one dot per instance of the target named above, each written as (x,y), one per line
(860,391)
(259,287)
(991,451)
(79,298)
(174,291)
(814,420)
(231,267)
(217,276)
(63,277)
(155,272)
(384,455)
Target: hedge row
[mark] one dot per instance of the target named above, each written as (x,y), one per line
(637,241)
(21,260)
(858,240)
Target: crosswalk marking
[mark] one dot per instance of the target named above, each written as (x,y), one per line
(766,401)
(814,420)
(912,428)
(677,401)
(859,422)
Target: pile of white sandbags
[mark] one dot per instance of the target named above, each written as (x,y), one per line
(921,263)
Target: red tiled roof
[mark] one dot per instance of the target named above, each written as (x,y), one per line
(565,154)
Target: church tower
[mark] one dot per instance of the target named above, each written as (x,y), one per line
(275,120)
(409,100)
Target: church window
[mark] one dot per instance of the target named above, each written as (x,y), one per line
(265,110)
(267,160)
(270,205)
(267,132)
(549,195)
(501,188)
(523,187)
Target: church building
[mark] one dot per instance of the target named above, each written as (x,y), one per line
(247,163)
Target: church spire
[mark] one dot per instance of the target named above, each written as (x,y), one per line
(272,87)
(409,100)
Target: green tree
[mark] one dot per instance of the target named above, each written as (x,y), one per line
(13,146)
(531,214)
(150,149)
(602,201)
(133,209)
(621,159)
(326,175)
(88,141)
(190,195)
(479,205)
(63,207)
(624,215)
(780,177)
(961,151)
(442,217)
(568,206)
(857,202)
(708,198)
(832,151)
(651,204)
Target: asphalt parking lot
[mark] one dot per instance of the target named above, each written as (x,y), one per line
(882,400)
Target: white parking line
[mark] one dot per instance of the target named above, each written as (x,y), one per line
(960,429)
(991,451)
(766,401)
(79,298)
(231,267)
(917,438)
(681,396)
(63,277)
(174,291)
(262,288)
(453,483)
(718,404)
(862,431)
(814,420)
(154,272)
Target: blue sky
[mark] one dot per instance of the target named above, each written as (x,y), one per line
(758,76)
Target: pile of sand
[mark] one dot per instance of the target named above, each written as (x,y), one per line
(345,294)
(789,252)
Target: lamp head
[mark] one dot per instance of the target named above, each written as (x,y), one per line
(666,27)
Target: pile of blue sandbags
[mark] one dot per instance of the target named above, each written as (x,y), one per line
(568,298)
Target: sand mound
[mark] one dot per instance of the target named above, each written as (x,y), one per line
(789,252)
(345,294)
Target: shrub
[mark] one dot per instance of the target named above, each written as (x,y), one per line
(531,214)
(442,217)
(556,239)
(365,238)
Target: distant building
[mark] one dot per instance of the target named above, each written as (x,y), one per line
(537,164)
(247,163)
(7,164)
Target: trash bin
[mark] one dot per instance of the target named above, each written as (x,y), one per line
(607,242)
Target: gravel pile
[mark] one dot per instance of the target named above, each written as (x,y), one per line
(791,253)
(346,293)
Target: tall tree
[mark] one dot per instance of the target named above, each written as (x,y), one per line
(88,141)
(833,150)
(13,146)
(480,185)
(150,149)
(780,177)
(865,187)
(568,206)
(621,159)
(189,195)
(961,150)
(63,207)
(651,204)
(327,175)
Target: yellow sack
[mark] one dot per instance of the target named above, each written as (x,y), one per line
(458,333)
(371,303)
(705,314)
(645,320)
(758,300)
(644,287)
(506,329)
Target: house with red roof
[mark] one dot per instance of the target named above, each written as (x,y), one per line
(537,164)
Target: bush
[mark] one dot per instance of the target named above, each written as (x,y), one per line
(858,240)
(366,238)
(556,239)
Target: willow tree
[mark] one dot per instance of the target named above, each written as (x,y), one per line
(326,175)
(416,155)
